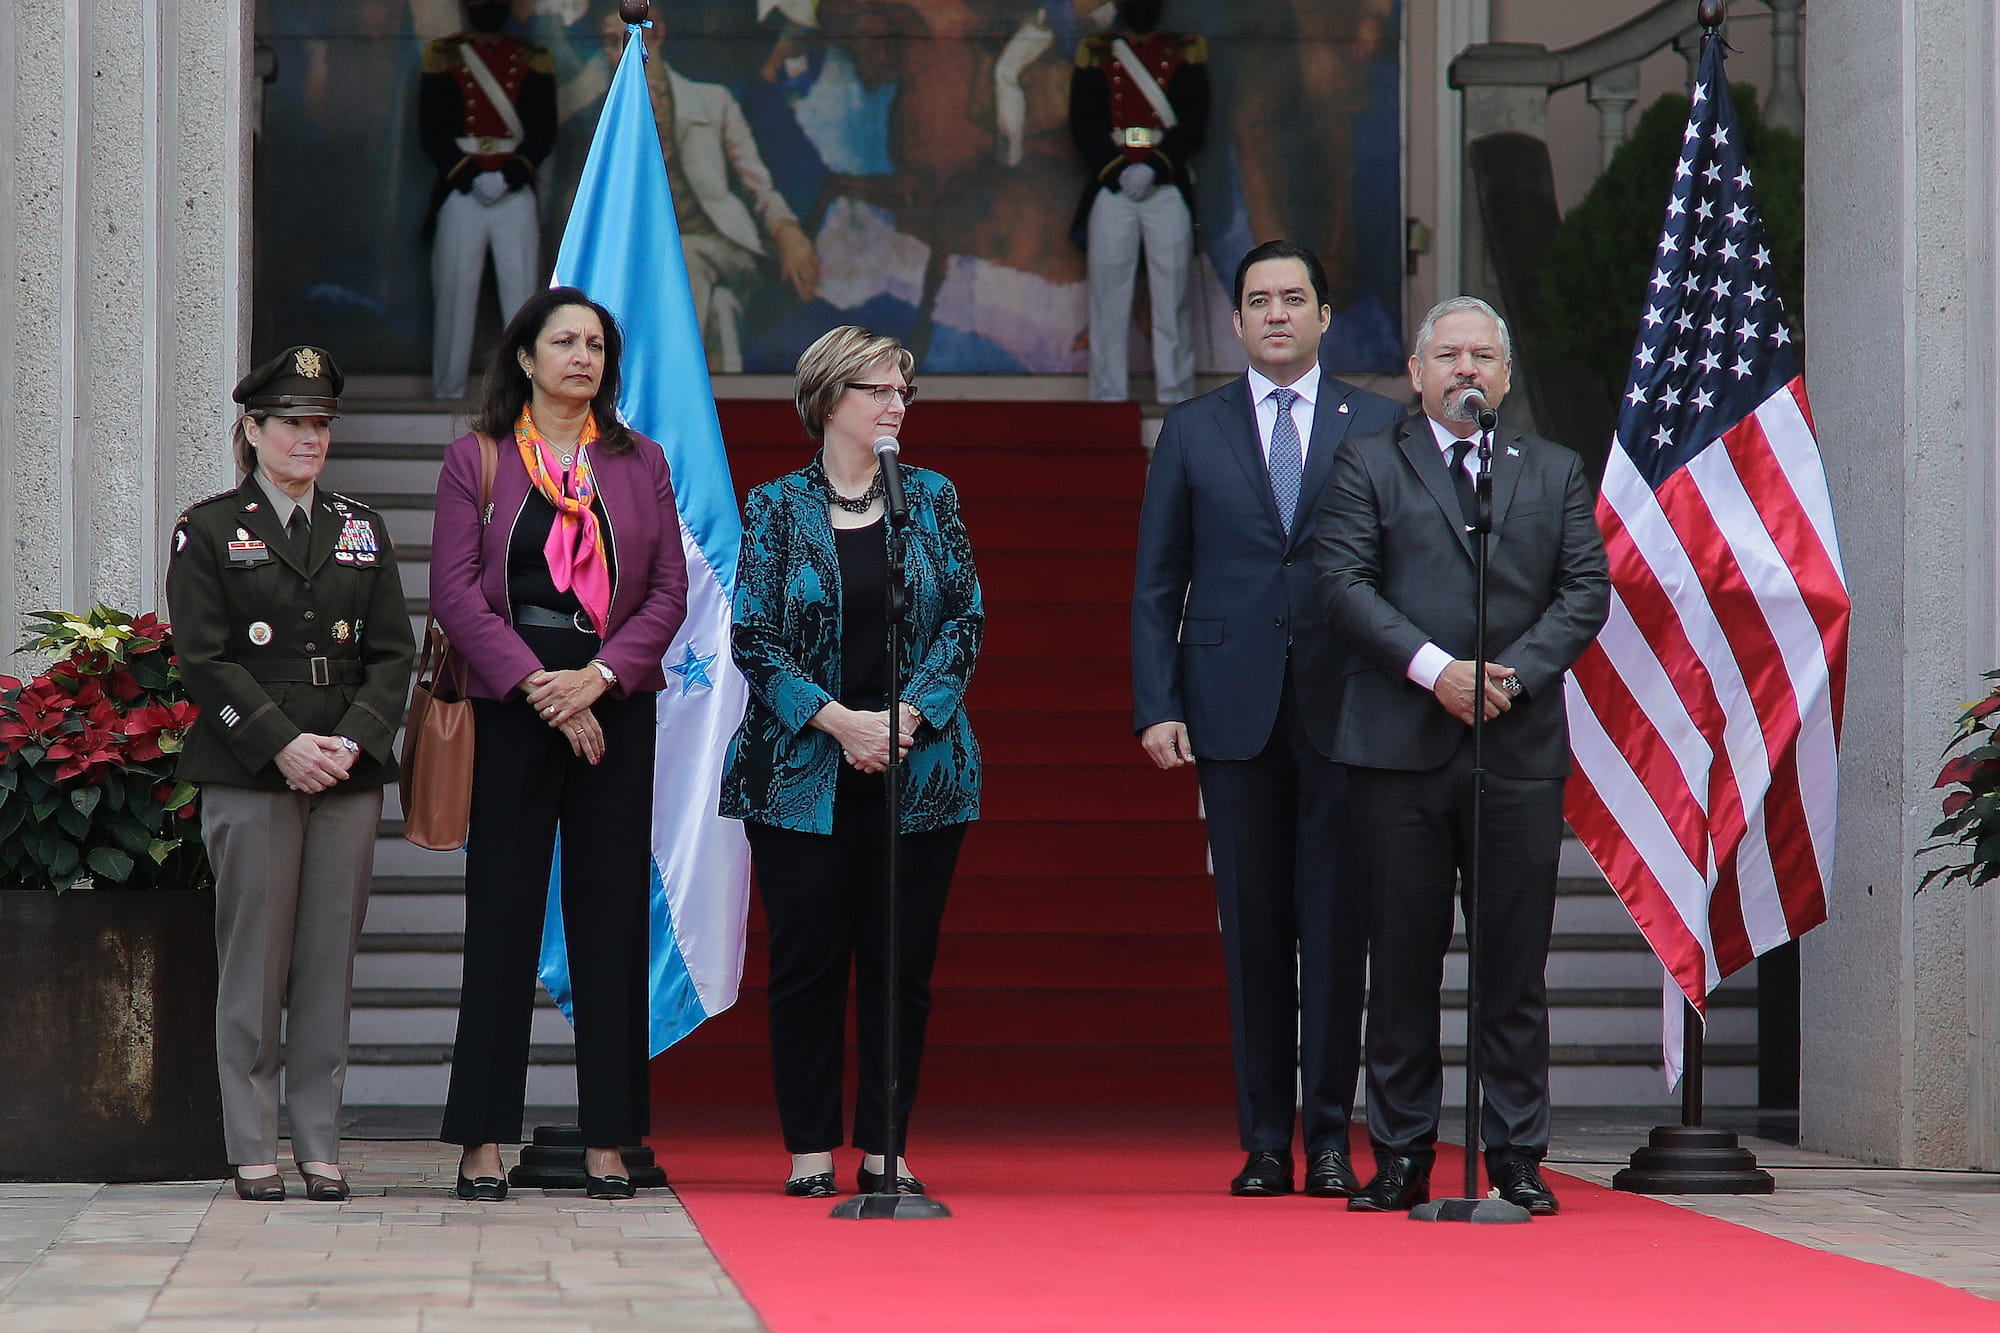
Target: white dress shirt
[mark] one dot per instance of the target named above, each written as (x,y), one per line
(1431,660)
(1306,387)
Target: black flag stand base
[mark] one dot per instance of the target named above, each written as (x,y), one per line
(883,1207)
(1689,1158)
(554,1161)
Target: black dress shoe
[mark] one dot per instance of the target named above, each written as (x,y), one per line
(1329,1175)
(325,1189)
(1519,1180)
(608,1187)
(819,1186)
(484,1189)
(259,1189)
(870,1182)
(1265,1175)
(1399,1184)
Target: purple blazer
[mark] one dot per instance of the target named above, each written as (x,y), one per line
(469,566)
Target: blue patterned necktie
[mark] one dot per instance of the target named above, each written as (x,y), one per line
(1287,459)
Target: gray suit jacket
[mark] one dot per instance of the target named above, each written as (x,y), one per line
(1395,569)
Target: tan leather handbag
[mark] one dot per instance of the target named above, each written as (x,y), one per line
(436,778)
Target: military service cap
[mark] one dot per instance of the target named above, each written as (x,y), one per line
(297,382)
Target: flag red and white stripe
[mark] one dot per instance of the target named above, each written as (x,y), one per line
(1705,720)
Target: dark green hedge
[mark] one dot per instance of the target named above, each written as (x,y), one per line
(1602,256)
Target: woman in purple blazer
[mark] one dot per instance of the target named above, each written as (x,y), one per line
(562,595)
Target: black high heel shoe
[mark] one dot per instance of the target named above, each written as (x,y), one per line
(816,1186)
(484,1189)
(608,1187)
(871,1182)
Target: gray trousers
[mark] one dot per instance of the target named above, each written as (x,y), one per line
(291,890)
(1117,228)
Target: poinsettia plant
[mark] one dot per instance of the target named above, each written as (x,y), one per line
(1972,806)
(87,786)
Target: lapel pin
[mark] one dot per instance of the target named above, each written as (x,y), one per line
(1343,407)
(1512,452)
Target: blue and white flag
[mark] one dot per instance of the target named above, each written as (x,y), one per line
(622,246)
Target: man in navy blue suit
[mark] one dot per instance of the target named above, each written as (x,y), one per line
(1235,671)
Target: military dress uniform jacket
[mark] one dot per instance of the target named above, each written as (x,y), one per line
(256,626)
(453,111)
(1103,100)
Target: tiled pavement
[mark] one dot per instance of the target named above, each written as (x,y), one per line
(403,1256)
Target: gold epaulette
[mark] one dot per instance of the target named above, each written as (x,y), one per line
(1093,51)
(1193,46)
(540,59)
(441,54)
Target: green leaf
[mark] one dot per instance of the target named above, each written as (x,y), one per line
(47,806)
(109,863)
(161,849)
(11,815)
(72,820)
(182,794)
(132,835)
(85,800)
(8,779)
(63,866)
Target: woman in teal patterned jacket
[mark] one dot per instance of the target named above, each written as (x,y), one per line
(805,769)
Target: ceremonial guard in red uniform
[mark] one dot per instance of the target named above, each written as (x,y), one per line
(486,112)
(1138,110)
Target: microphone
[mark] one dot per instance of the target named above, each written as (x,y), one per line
(887,452)
(1473,401)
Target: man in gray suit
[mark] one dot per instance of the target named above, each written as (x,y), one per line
(1395,576)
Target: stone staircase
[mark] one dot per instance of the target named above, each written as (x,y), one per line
(1604,983)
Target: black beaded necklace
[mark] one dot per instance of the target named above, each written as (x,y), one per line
(859,504)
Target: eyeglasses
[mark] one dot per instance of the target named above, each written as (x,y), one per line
(884,394)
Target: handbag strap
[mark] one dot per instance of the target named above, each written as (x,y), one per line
(437,655)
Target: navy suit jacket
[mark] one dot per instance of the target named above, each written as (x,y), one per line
(1221,590)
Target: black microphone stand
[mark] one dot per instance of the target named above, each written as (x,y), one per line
(1472,1208)
(885,1203)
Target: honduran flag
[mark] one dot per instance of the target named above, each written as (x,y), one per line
(622,246)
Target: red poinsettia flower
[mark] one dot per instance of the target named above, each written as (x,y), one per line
(1956,802)
(124,686)
(1965,769)
(1985,707)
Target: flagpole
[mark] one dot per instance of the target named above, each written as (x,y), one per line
(1690,1158)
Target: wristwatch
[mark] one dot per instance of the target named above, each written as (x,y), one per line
(610,676)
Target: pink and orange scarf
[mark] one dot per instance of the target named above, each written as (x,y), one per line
(575,548)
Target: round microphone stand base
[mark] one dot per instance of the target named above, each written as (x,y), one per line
(890,1208)
(1469,1210)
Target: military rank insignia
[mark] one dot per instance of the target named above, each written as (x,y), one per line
(357,545)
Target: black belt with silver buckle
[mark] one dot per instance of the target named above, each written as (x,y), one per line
(543,617)
(306,671)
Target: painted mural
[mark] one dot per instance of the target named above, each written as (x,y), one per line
(905,164)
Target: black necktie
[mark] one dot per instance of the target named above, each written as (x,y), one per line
(299,531)
(1461,481)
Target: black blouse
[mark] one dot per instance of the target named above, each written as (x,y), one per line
(864,630)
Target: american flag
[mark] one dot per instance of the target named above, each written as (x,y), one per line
(1705,720)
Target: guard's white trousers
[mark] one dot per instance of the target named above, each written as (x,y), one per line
(1117,228)
(466,230)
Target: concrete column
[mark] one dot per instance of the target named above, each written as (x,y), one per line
(1460,23)
(125,166)
(1901,991)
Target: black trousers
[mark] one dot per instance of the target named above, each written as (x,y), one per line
(826,902)
(527,786)
(1418,837)
(1293,934)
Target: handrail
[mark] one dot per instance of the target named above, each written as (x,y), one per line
(1530,63)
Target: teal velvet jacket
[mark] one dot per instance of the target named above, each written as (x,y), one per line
(787,644)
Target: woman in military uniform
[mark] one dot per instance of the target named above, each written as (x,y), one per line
(294,641)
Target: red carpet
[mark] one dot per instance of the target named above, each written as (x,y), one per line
(1080,960)
(1128,1228)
